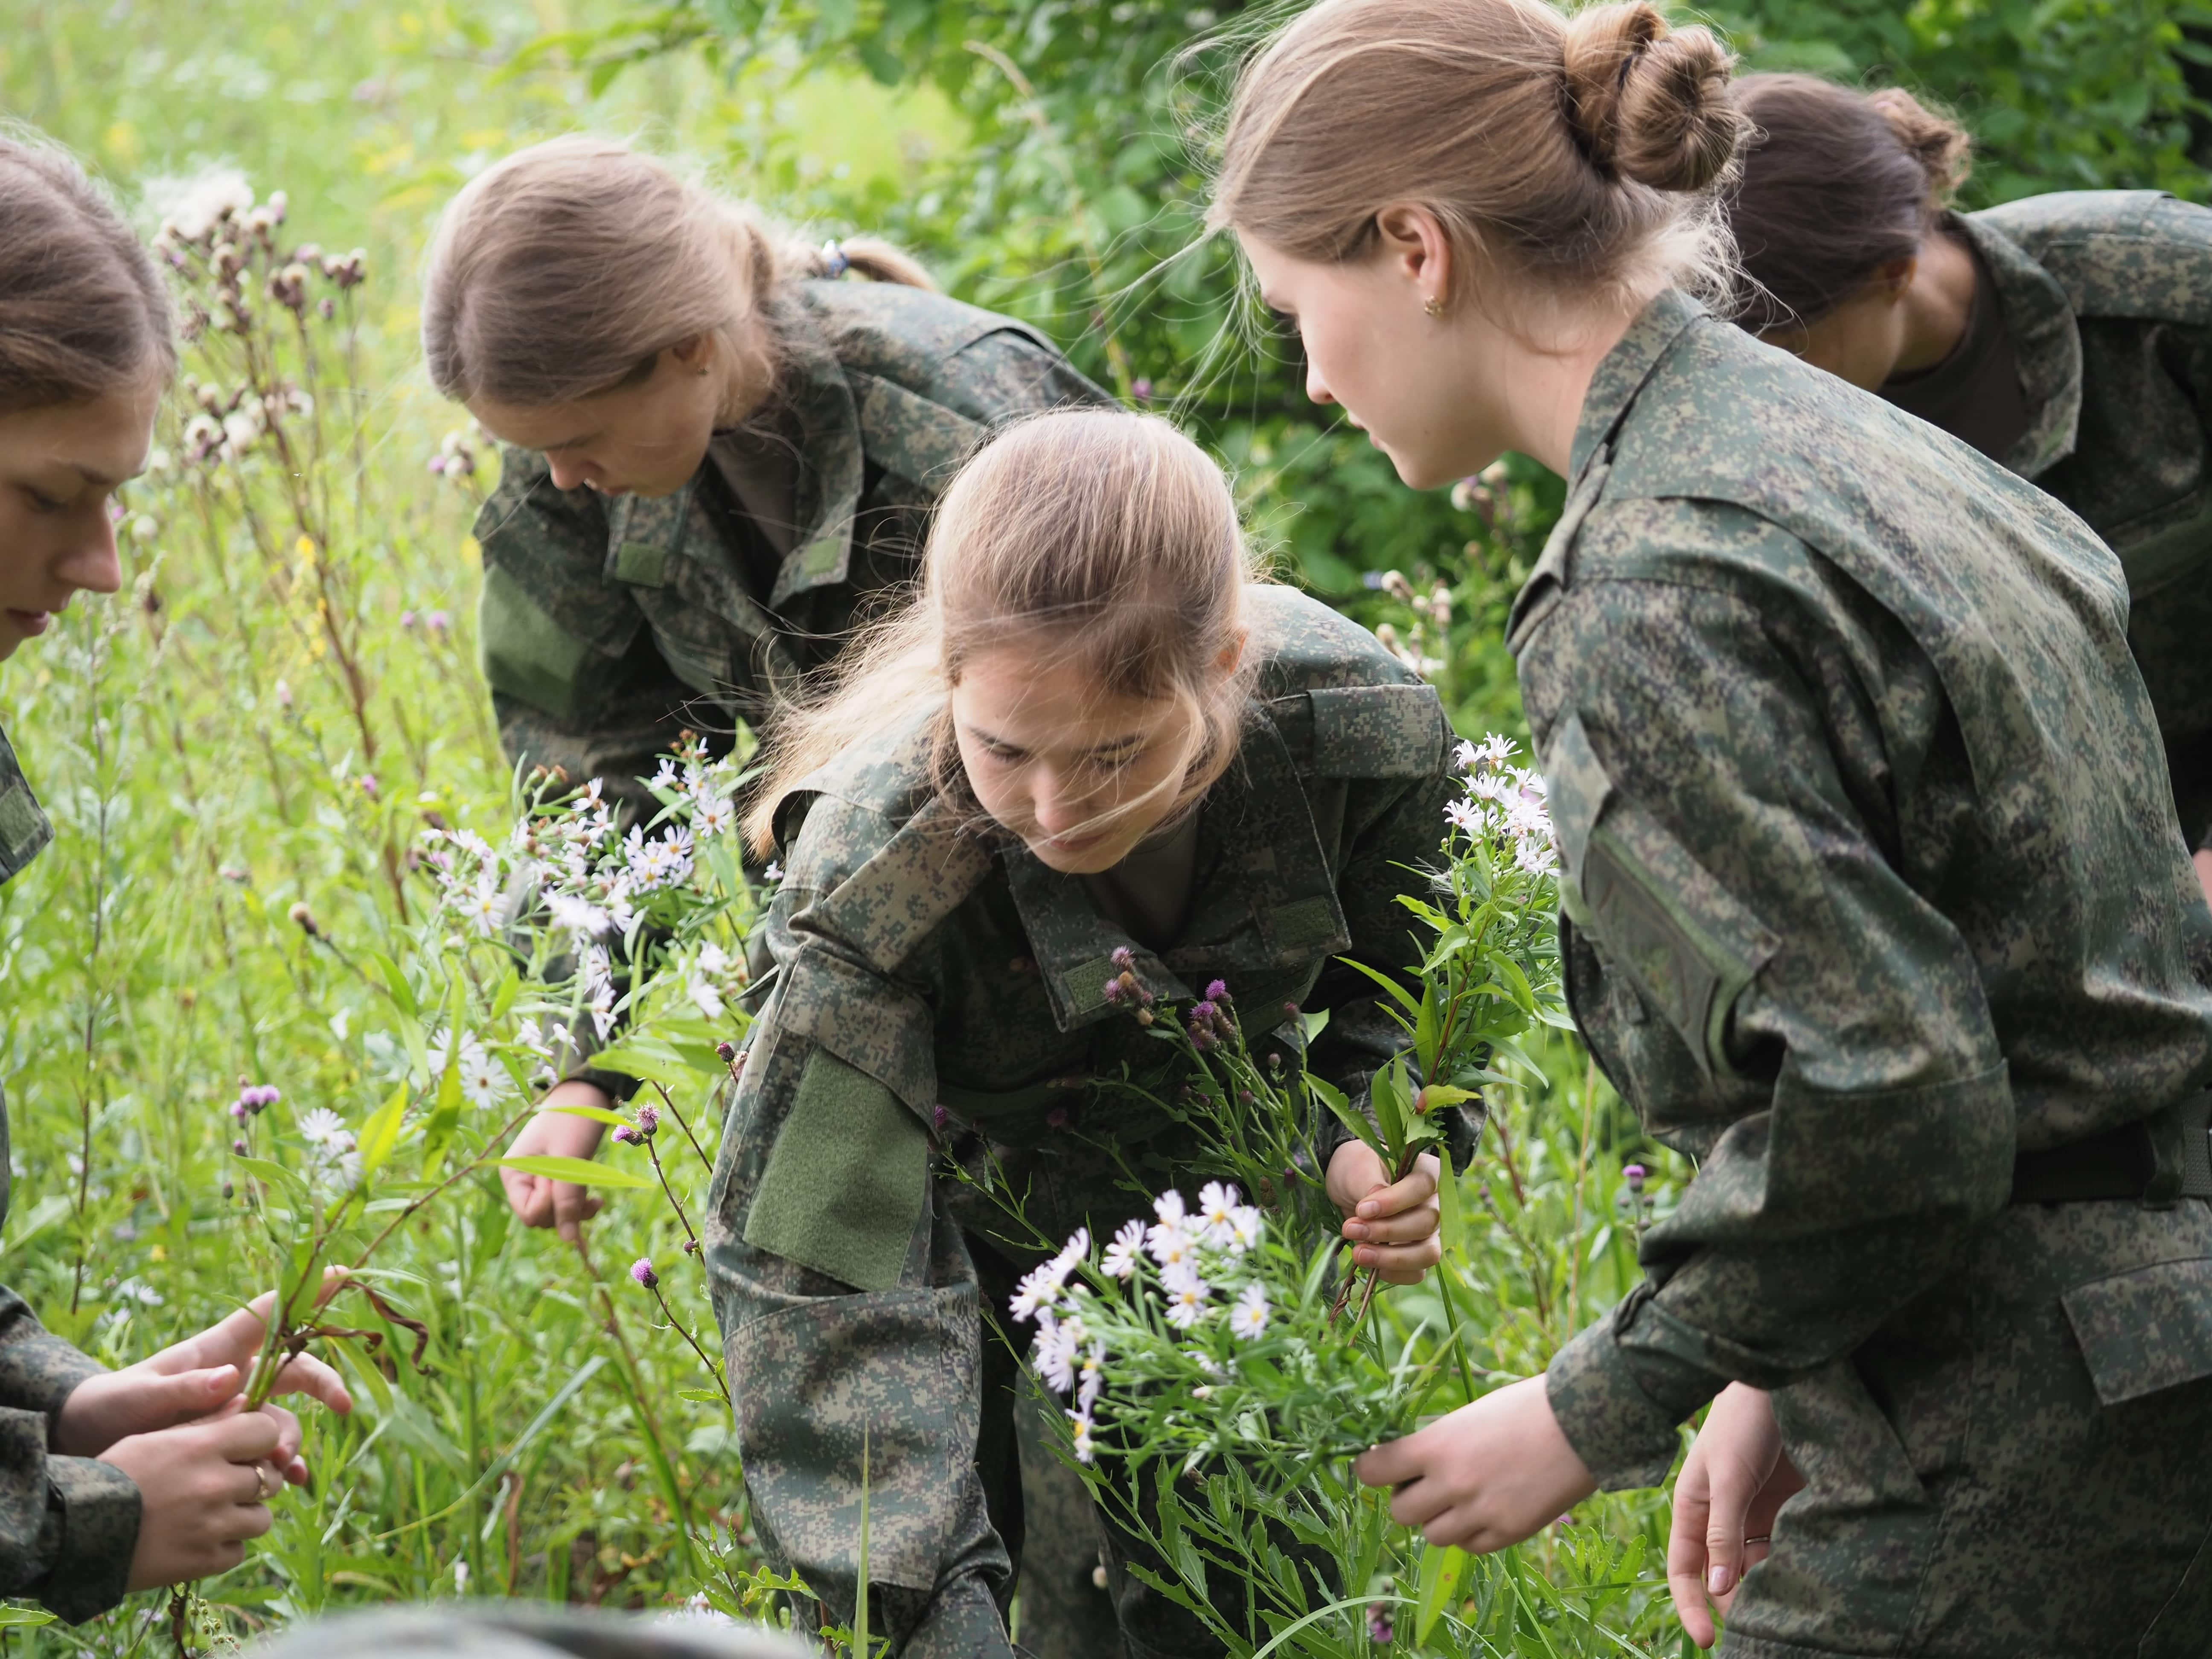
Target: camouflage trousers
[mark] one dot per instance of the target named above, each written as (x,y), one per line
(2015,1466)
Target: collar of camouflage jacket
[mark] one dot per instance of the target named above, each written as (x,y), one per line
(23,826)
(2046,344)
(645,531)
(1265,897)
(1622,372)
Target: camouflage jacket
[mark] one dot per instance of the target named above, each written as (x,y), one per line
(1870,881)
(2108,297)
(68,1525)
(609,626)
(929,968)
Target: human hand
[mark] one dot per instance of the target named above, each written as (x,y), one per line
(1733,1482)
(1489,1474)
(189,1379)
(561,1204)
(2202,860)
(1392,1224)
(202,1488)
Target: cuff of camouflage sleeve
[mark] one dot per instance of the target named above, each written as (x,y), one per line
(100,1512)
(1624,1438)
(39,1371)
(614,1085)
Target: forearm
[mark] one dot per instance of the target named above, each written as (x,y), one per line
(1776,1264)
(68,1525)
(37,1368)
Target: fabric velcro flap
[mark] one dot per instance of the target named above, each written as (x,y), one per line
(1377,731)
(2145,1330)
(1690,945)
(527,654)
(641,564)
(911,435)
(847,1181)
(879,1028)
(847,1400)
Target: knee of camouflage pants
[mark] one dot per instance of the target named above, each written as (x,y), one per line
(522,1631)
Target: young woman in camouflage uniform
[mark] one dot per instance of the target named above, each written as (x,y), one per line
(1874,903)
(109,1481)
(2068,337)
(1093,739)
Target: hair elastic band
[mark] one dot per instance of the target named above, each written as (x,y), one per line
(835,261)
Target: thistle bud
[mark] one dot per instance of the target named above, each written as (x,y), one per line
(641,1271)
(304,919)
(726,1052)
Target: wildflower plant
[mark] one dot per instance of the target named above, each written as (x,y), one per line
(1214,1377)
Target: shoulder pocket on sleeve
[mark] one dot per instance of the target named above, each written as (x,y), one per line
(847,1181)
(1688,944)
(1377,731)
(526,654)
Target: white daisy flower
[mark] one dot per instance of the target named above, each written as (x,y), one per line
(1249,1318)
(1186,1295)
(1083,1449)
(1090,1378)
(577,915)
(1467,757)
(1170,1246)
(1036,1293)
(481,906)
(704,997)
(1169,1208)
(1244,1228)
(1465,817)
(1120,1259)
(324,1127)
(1216,1203)
(713,959)
(1494,749)
(714,815)
(664,776)
(1055,1358)
(483,1079)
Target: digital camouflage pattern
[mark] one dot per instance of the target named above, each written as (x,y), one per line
(941,990)
(1870,883)
(2107,296)
(68,1525)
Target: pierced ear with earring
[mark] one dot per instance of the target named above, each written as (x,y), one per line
(1433,306)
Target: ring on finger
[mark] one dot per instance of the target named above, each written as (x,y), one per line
(267,1483)
(1763,1538)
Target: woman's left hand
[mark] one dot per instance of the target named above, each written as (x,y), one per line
(1489,1475)
(1392,1224)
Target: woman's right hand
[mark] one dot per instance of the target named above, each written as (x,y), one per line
(561,1204)
(202,1491)
(1733,1482)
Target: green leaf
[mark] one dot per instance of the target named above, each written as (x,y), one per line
(1392,1102)
(503,998)
(1406,998)
(1442,1569)
(1333,1099)
(22,1617)
(1451,1224)
(700,1397)
(276,1173)
(381,1132)
(582,1170)
(403,994)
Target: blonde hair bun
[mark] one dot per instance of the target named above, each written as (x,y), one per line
(1650,103)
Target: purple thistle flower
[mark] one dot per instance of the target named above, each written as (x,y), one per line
(1204,1014)
(1217,992)
(1290,1010)
(1634,1175)
(238,1108)
(238,1146)
(641,1271)
(940,1117)
(648,1120)
(1122,959)
(1114,993)
(1380,1630)
(627,1136)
